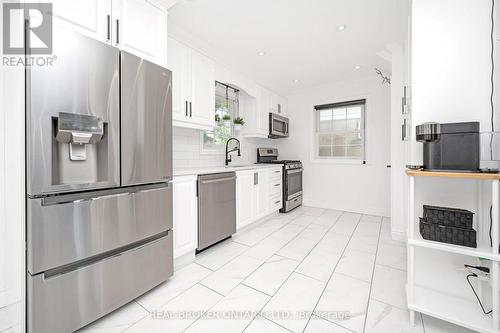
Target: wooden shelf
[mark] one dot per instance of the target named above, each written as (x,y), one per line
(448,174)
(452,309)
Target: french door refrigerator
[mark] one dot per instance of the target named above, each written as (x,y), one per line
(98,163)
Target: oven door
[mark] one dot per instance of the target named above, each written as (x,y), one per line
(293,183)
(278,126)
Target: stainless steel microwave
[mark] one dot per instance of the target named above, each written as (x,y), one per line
(278,126)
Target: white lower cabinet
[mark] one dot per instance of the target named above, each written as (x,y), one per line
(185,214)
(258,193)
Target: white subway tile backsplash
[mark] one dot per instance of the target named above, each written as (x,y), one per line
(186,150)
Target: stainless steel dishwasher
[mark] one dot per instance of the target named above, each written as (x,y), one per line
(216,208)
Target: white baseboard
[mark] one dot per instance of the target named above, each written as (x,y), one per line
(183,260)
(398,236)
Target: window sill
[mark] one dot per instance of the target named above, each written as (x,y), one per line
(338,161)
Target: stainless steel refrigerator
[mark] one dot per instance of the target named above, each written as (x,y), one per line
(99,200)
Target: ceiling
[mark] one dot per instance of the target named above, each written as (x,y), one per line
(299,37)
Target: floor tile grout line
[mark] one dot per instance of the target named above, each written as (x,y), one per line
(345,328)
(371,281)
(149,312)
(333,271)
(215,291)
(338,218)
(260,291)
(197,263)
(391,267)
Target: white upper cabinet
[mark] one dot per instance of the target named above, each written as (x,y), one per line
(193,94)
(88,17)
(257,117)
(136,26)
(178,62)
(278,104)
(203,78)
(140,28)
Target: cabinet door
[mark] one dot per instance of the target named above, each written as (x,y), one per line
(245,192)
(202,109)
(140,28)
(262,193)
(88,17)
(179,63)
(185,213)
(263,112)
(279,105)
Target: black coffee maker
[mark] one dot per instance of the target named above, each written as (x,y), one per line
(450,146)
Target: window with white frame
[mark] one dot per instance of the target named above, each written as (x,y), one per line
(340,130)
(226,110)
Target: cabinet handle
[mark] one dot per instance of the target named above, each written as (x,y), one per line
(108,27)
(256,178)
(117,32)
(186,108)
(277,171)
(190,109)
(277,202)
(277,184)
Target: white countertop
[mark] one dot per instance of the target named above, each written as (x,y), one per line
(230,168)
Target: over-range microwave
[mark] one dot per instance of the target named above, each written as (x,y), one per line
(278,126)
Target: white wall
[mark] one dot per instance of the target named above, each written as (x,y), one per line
(450,63)
(12,198)
(350,187)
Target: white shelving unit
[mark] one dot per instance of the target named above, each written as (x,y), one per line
(441,305)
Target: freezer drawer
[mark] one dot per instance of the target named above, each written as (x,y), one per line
(68,228)
(216,208)
(69,301)
(146,121)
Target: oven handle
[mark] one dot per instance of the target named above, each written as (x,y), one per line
(290,172)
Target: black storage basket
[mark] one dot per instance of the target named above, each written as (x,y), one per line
(450,217)
(446,234)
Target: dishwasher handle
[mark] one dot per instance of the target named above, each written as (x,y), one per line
(217,180)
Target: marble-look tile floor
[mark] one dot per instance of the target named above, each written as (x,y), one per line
(296,272)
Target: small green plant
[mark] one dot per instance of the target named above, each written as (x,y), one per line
(217,118)
(239,121)
(226,117)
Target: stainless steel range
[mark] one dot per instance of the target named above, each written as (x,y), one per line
(99,202)
(292,177)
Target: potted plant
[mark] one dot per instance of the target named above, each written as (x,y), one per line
(238,122)
(227,120)
(217,119)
